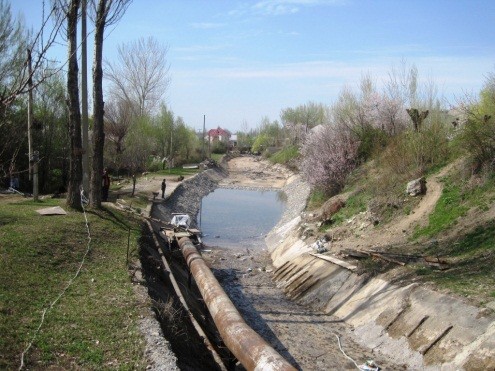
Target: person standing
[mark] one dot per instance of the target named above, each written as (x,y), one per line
(105,185)
(164,185)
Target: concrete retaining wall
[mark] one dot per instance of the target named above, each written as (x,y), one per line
(409,324)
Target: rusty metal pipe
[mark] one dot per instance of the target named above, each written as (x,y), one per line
(247,346)
(175,285)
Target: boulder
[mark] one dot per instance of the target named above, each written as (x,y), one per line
(416,187)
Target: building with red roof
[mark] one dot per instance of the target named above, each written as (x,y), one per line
(218,134)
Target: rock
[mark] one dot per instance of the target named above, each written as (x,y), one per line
(416,187)
(330,208)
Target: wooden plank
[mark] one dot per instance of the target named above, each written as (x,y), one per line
(386,258)
(334,260)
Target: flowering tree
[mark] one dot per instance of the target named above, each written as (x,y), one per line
(298,121)
(329,155)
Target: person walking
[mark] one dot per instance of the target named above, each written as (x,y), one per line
(105,185)
(164,185)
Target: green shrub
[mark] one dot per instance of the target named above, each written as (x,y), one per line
(219,147)
(154,164)
(478,138)
(414,153)
(371,140)
(316,199)
(285,155)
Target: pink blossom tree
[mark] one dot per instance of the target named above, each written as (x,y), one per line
(329,155)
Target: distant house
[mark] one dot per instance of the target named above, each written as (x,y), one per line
(218,134)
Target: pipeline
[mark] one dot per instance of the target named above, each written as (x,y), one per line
(195,323)
(248,347)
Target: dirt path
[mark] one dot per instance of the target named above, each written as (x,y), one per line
(397,231)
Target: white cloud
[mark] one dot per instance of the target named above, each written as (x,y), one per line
(450,74)
(281,7)
(199,48)
(207,25)
(301,70)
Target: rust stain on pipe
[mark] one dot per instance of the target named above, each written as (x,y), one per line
(247,346)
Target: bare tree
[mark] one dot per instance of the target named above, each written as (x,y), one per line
(14,41)
(141,74)
(107,12)
(17,79)
(118,119)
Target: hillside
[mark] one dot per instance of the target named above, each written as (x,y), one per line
(451,223)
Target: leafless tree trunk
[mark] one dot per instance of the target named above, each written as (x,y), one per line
(75,170)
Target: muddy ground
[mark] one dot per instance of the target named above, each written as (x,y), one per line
(309,340)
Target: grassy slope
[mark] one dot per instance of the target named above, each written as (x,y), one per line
(94,323)
(471,253)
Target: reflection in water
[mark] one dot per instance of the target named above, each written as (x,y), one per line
(239,218)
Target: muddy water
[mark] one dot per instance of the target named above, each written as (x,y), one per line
(235,218)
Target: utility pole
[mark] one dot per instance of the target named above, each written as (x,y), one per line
(171,153)
(203,139)
(84,98)
(30,125)
(33,155)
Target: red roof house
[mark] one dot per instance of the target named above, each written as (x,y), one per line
(218,134)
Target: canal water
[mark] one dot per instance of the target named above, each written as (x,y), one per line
(235,218)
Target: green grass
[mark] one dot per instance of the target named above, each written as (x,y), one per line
(355,204)
(176,171)
(285,155)
(217,157)
(316,199)
(449,208)
(456,199)
(94,323)
(473,258)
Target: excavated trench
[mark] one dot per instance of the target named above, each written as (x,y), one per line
(187,345)
(192,351)
(245,278)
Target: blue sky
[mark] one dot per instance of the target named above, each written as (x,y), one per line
(239,61)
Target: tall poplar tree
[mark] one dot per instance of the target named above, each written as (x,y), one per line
(75,163)
(107,12)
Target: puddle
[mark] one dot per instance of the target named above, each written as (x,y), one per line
(234,218)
